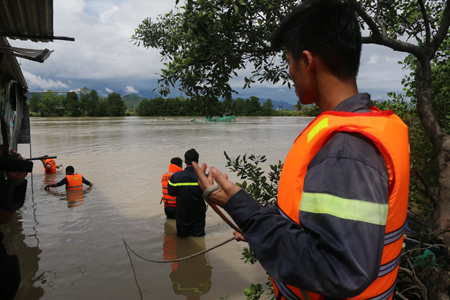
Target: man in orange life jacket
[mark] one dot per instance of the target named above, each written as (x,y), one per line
(73,181)
(336,231)
(176,165)
(50,165)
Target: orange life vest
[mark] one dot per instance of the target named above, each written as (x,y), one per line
(52,163)
(169,200)
(390,135)
(74,182)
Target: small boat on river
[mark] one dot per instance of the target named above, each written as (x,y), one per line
(216,119)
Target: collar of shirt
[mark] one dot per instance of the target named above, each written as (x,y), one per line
(356,103)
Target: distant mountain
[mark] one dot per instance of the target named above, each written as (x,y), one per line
(132,100)
(279,104)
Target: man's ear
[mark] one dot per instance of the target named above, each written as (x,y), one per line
(309,61)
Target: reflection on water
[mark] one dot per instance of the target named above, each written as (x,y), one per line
(192,277)
(50,178)
(70,244)
(16,243)
(74,198)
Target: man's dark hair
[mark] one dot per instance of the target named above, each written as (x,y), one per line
(177,161)
(190,156)
(326,28)
(70,169)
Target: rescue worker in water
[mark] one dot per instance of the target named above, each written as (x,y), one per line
(73,181)
(50,165)
(336,231)
(176,165)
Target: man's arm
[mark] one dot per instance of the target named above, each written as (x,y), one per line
(46,166)
(171,189)
(85,181)
(62,182)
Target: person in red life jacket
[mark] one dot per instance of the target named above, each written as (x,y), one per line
(336,231)
(50,165)
(176,165)
(190,208)
(73,181)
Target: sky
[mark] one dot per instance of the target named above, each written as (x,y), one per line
(103,56)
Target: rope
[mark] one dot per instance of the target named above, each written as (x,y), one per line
(205,195)
(178,259)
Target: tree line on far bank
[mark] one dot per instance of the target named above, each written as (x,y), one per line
(84,103)
(88,103)
(181,106)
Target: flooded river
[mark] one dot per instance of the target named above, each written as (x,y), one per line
(70,246)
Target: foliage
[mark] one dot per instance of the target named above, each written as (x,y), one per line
(255,292)
(267,108)
(35,100)
(85,103)
(167,107)
(115,105)
(47,104)
(210,41)
(424,172)
(423,261)
(249,256)
(181,106)
(424,164)
(72,105)
(88,103)
(417,260)
(440,85)
(264,190)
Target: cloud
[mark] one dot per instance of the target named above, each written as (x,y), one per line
(103,54)
(378,59)
(131,90)
(36,81)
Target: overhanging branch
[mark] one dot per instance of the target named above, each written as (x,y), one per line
(368,19)
(394,44)
(443,29)
(426,21)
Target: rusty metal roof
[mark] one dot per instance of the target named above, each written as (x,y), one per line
(27,19)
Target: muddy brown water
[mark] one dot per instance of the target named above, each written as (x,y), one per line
(70,246)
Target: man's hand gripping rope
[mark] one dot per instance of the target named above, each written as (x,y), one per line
(218,194)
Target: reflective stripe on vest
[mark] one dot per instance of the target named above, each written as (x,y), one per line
(74,182)
(52,164)
(167,199)
(184,184)
(390,135)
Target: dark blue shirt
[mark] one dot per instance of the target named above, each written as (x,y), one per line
(64,181)
(190,208)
